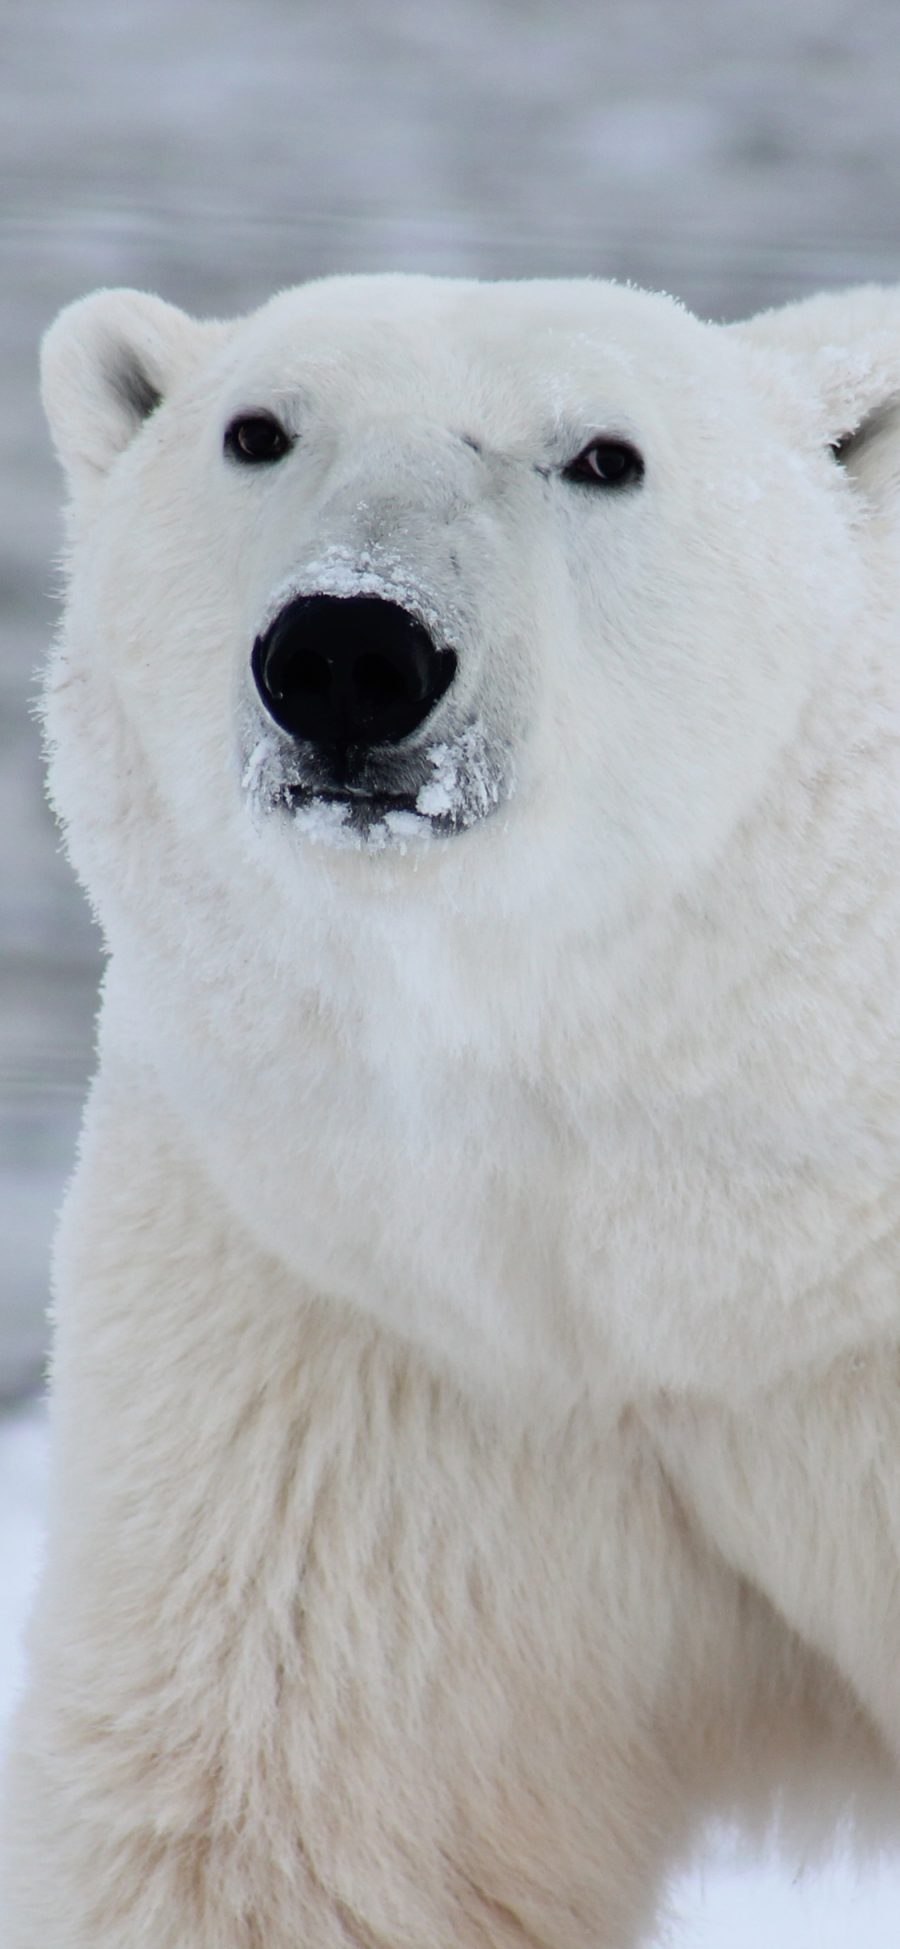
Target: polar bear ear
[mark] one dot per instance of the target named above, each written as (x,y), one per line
(848,345)
(107,362)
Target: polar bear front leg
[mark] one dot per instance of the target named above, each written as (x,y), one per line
(323,1656)
(800,1490)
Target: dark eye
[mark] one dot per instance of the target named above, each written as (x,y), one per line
(256,438)
(606,463)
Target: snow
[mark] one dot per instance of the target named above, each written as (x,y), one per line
(465,784)
(722,1904)
(327,822)
(344,571)
(23,1447)
(264,751)
(726,1906)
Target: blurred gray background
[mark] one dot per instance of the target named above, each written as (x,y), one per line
(212,150)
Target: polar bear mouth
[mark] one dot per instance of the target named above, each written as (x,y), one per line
(379,798)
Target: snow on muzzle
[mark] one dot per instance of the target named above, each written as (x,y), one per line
(340,671)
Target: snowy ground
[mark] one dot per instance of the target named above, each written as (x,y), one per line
(721,1905)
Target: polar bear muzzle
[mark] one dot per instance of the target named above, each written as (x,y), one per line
(341,671)
(346,682)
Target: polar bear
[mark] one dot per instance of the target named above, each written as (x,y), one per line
(476,723)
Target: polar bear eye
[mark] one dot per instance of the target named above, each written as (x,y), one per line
(255,438)
(606,463)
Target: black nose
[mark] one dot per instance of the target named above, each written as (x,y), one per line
(349,670)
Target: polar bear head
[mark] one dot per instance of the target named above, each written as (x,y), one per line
(500,598)
(475,722)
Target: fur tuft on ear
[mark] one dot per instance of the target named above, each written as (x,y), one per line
(848,344)
(107,362)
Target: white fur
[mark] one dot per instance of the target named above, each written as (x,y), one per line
(477,1424)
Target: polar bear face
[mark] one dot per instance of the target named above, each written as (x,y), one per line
(524,577)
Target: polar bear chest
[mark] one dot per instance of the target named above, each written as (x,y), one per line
(423,1196)
(455,1205)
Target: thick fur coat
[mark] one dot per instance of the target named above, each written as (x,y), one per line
(475,1398)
